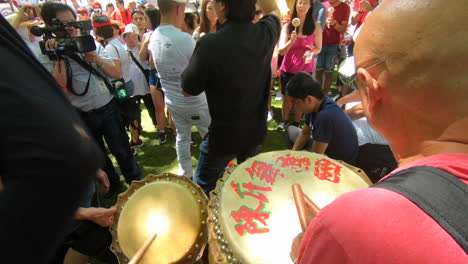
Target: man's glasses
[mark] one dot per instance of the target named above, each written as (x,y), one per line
(372,64)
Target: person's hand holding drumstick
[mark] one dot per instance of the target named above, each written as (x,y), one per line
(302,202)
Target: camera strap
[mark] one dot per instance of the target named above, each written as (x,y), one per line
(70,77)
(93,71)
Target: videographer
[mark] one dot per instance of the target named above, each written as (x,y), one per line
(90,92)
(84,76)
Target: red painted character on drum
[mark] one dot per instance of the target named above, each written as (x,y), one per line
(251,187)
(245,216)
(264,171)
(291,161)
(327,170)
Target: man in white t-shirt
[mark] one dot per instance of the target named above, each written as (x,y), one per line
(172,50)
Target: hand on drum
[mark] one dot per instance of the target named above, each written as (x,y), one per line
(101,216)
(296,245)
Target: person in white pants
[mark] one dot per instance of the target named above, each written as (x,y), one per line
(172,50)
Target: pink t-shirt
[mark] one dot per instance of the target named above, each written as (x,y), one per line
(294,61)
(376,225)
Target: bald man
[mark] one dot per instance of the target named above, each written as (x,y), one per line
(413,81)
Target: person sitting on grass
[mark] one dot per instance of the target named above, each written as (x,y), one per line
(332,131)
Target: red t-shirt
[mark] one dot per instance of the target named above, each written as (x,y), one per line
(376,225)
(330,35)
(124,17)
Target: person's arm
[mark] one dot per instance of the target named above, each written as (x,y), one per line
(322,17)
(111,70)
(101,216)
(196,75)
(286,41)
(349,98)
(303,137)
(319,147)
(339,26)
(107,60)
(269,7)
(318,39)
(364,6)
(144,54)
(355,112)
(24,14)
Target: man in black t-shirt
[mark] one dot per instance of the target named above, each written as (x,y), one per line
(232,67)
(332,131)
(47,158)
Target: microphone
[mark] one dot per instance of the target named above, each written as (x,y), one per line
(39,31)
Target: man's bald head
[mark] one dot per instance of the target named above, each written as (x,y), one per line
(418,94)
(425,45)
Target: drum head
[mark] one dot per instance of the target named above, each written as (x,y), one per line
(252,214)
(171,206)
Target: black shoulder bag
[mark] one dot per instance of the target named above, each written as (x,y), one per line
(438,193)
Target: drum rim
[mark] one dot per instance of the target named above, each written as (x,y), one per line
(218,245)
(196,251)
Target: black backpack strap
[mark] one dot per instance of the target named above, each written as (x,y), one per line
(438,193)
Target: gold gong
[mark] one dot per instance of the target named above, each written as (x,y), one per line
(171,206)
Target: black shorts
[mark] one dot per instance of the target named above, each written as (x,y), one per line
(154,79)
(92,240)
(130,111)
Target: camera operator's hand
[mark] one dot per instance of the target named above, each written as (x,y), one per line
(51,44)
(60,73)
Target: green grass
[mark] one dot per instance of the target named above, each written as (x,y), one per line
(157,159)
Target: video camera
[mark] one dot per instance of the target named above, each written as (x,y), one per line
(66,45)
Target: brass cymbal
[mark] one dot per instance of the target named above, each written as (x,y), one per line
(171,206)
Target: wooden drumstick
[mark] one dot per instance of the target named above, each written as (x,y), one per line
(300,206)
(141,252)
(311,205)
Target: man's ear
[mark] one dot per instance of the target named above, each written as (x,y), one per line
(370,91)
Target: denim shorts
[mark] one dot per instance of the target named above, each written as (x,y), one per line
(152,77)
(326,58)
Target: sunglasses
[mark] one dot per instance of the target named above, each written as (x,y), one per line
(368,66)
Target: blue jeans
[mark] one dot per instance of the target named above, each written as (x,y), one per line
(326,58)
(105,124)
(211,166)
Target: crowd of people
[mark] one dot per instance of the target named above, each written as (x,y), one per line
(213,65)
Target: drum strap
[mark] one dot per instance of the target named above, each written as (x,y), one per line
(438,193)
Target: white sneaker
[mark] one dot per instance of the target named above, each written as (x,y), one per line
(270,116)
(279,96)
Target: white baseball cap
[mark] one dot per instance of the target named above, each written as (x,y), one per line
(131,28)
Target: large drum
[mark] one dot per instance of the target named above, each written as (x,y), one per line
(252,217)
(171,206)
